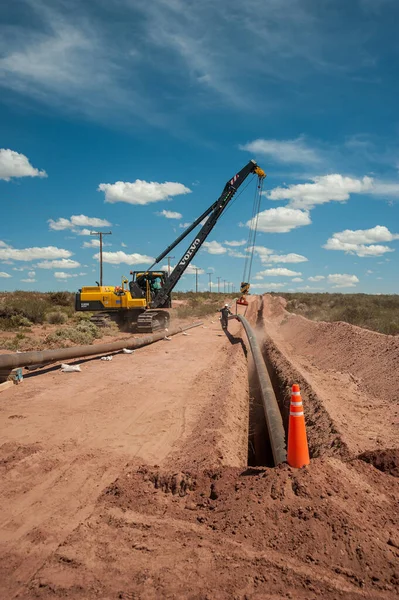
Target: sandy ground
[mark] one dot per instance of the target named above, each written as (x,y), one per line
(130,479)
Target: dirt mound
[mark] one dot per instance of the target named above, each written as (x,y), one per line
(347,374)
(324,531)
(386,461)
(372,358)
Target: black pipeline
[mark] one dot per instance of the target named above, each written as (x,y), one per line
(8,362)
(273,417)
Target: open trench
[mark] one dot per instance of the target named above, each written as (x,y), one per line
(323,436)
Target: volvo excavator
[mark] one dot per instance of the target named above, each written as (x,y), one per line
(141,303)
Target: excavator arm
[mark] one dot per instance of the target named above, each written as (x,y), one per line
(212,214)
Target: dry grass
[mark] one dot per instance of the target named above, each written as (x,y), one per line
(376,312)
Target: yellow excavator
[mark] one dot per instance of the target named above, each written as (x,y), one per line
(141,304)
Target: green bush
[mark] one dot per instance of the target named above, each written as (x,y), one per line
(56,317)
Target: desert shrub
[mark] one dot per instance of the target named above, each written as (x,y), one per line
(56,317)
(69,333)
(376,312)
(62,298)
(88,327)
(83,333)
(83,316)
(20,321)
(14,322)
(31,306)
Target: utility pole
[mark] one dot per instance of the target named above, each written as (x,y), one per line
(196,279)
(100,234)
(219,278)
(210,281)
(169,257)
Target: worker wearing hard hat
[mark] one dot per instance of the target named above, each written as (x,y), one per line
(225,315)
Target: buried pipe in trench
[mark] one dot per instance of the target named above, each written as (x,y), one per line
(271,409)
(8,362)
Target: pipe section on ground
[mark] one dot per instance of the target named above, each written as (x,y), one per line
(8,362)
(273,417)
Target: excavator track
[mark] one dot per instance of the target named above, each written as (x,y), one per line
(103,319)
(153,320)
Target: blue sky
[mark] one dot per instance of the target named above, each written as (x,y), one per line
(129,117)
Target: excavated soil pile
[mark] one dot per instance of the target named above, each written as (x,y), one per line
(327,531)
(348,378)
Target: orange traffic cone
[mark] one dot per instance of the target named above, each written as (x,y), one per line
(298,452)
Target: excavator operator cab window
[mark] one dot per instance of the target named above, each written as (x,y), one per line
(156,280)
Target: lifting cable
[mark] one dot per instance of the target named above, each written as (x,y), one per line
(250,249)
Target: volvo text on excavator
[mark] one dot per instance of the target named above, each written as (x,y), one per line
(141,304)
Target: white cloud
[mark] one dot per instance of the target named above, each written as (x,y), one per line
(280,220)
(325,188)
(235,244)
(123,245)
(261,250)
(184,225)
(64,263)
(236,254)
(376,234)
(116,258)
(258,277)
(30,280)
(297,279)
(385,188)
(316,278)
(13,164)
(5,275)
(31,274)
(308,288)
(3,244)
(358,249)
(62,275)
(284,151)
(342,280)
(78,221)
(214,247)
(28,254)
(141,192)
(267,285)
(279,271)
(361,241)
(283,258)
(82,232)
(169,214)
(91,244)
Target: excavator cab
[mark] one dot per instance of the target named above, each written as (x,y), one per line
(244,289)
(146,283)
